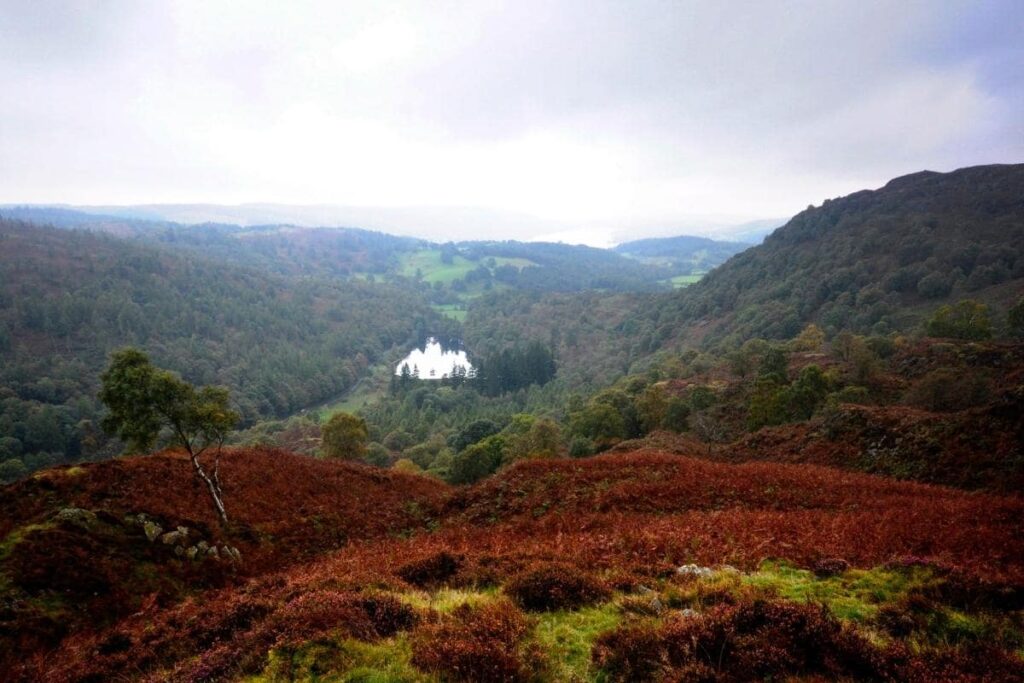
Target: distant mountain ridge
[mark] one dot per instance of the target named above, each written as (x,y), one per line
(685,252)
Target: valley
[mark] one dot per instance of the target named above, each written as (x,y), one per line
(804,462)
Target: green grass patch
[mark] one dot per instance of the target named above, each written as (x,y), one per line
(428,263)
(680,281)
(447,599)
(568,637)
(519,263)
(855,595)
(343,661)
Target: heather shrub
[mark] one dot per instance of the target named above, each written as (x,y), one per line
(831,566)
(388,614)
(945,389)
(752,640)
(431,571)
(473,644)
(554,587)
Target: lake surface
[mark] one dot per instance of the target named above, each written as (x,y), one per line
(433,362)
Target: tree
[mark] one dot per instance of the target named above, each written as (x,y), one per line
(143,400)
(345,436)
(967,319)
(810,339)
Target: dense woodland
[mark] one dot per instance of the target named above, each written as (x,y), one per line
(68,298)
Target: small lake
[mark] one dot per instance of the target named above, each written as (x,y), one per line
(433,362)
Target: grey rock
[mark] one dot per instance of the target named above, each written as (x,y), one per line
(152,530)
(657,605)
(174,538)
(213,552)
(77,517)
(694,570)
(688,612)
(179,550)
(191,552)
(203,546)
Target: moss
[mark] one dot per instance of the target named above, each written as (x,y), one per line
(854,595)
(447,599)
(343,661)
(567,638)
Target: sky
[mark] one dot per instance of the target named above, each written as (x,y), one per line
(584,121)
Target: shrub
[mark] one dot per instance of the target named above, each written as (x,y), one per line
(344,436)
(831,566)
(967,319)
(947,389)
(431,571)
(752,640)
(473,644)
(554,587)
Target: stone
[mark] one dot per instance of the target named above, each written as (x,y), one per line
(213,552)
(76,517)
(203,546)
(192,552)
(152,530)
(179,550)
(657,605)
(688,612)
(173,538)
(694,570)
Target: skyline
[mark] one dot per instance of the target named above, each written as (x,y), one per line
(549,118)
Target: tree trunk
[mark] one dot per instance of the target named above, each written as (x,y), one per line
(214,489)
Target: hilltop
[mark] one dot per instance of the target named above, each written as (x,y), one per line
(873,261)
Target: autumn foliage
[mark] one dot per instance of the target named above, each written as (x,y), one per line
(330,548)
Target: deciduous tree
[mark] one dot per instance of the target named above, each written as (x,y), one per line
(143,400)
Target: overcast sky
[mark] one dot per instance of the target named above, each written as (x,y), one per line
(581,115)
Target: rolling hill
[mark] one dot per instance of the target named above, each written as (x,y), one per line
(685,254)
(874,261)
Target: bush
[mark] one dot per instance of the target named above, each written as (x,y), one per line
(831,566)
(752,640)
(945,389)
(555,587)
(967,319)
(431,571)
(473,644)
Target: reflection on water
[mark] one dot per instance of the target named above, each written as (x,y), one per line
(433,362)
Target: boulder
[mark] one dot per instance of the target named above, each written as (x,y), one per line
(77,517)
(695,571)
(152,530)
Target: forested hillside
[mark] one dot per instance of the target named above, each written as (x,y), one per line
(69,297)
(872,261)
(686,254)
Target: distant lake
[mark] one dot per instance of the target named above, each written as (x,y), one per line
(433,362)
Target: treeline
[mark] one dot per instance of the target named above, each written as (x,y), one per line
(69,297)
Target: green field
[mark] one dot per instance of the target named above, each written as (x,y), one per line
(519,263)
(428,263)
(684,280)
